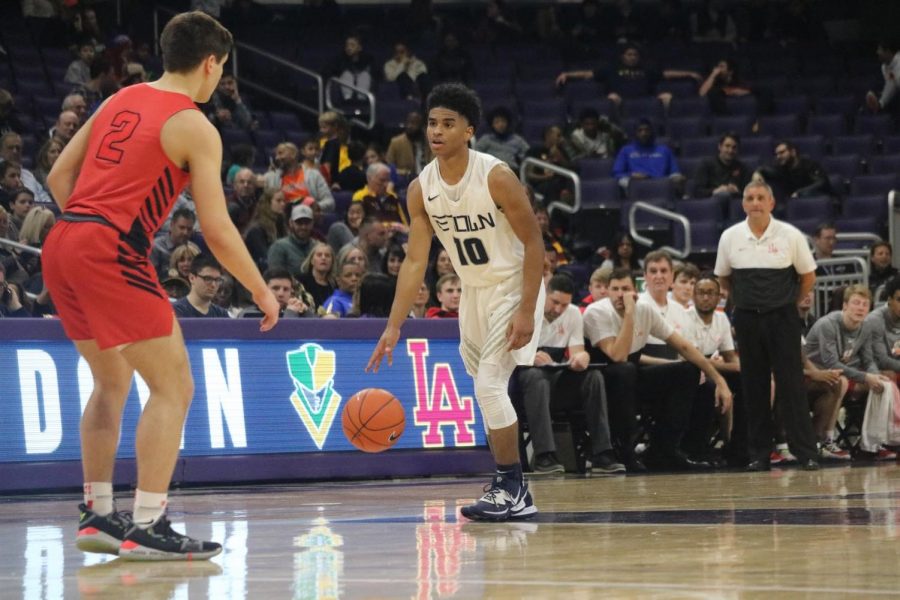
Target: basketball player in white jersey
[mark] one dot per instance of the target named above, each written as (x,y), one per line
(480,213)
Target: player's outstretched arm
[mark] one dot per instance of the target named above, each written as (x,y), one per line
(188,138)
(412,272)
(510,196)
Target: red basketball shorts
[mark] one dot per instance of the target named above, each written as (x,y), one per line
(103,288)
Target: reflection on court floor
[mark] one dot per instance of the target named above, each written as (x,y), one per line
(715,535)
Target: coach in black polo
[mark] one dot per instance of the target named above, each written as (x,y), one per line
(767,267)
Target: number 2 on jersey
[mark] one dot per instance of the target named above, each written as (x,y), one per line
(122,128)
(471,250)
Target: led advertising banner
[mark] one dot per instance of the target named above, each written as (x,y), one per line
(252,396)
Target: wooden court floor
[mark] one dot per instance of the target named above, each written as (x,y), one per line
(786,534)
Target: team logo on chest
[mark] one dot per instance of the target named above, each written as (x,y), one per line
(464,223)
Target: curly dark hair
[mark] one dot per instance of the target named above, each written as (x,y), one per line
(456,97)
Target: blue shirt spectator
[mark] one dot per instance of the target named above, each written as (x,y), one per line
(644,158)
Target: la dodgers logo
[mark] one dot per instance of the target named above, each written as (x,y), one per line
(314,398)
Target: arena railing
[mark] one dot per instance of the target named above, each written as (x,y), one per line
(827,284)
(18,246)
(665,214)
(160,13)
(567,173)
(370,99)
(893,229)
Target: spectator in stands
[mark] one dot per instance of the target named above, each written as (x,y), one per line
(290,251)
(723,176)
(684,282)
(371,241)
(839,341)
(294,301)
(226,108)
(334,135)
(618,328)
(46,156)
(622,255)
(10,299)
(551,186)
(268,225)
(709,330)
(452,62)
(598,287)
(793,175)
(228,296)
(629,77)
(439,265)
(343,232)
(409,151)
(498,25)
(242,199)
(354,67)
(374,296)
(243,156)
(501,140)
(575,386)
(824,240)
(317,273)
(881,254)
(296,182)
(76,104)
(341,301)
(551,240)
(352,254)
(420,303)
(646,159)
(65,127)
(392,260)
(888,53)
(11,150)
(408,71)
(9,116)
(659,276)
(181,259)
(595,137)
(807,317)
(206,279)
(723,82)
(448,290)
(309,155)
(10,181)
(21,203)
(6,232)
(35,228)
(102,84)
(713,21)
(353,177)
(180,231)
(379,201)
(882,330)
(79,71)
(374,154)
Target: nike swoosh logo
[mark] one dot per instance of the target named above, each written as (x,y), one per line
(430,198)
(393,436)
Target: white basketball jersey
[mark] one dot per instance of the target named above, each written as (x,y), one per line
(474,231)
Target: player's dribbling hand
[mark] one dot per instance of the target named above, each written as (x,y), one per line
(270,308)
(385,346)
(519,330)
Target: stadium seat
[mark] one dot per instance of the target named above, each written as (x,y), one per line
(780,126)
(808,207)
(603,193)
(591,169)
(884,165)
(864,145)
(829,125)
(679,128)
(651,189)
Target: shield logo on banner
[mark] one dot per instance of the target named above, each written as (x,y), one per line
(314,398)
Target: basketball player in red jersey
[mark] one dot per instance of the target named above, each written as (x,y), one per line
(115,183)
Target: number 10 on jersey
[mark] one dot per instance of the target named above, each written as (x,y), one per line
(470,251)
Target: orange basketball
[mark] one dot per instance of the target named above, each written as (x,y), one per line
(373,420)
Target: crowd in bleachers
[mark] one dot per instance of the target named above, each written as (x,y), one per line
(677,104)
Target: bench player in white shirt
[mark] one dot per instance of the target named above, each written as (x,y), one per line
(480,213)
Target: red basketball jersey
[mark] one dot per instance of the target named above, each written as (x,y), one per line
(126,177)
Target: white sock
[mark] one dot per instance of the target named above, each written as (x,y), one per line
(98,496)
(148,507)
(829,436)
